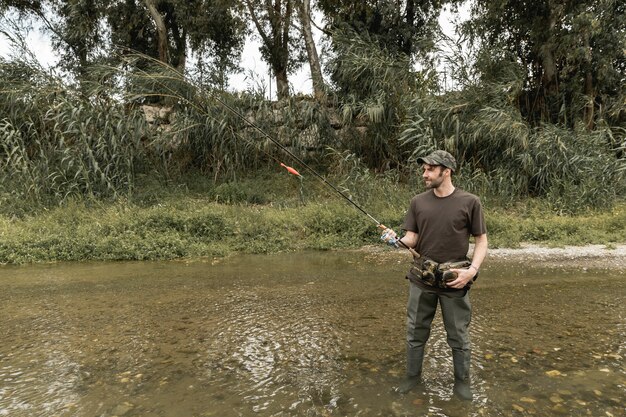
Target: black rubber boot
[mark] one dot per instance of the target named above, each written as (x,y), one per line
(462,387)
(414,360)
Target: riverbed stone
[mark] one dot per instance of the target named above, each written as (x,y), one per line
(123,409)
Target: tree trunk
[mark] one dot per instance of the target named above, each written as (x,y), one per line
(409,14)
(304,7)
(161,30)
(549,81)
(546,52)
(276,41)
(180,40)
(282,83)
(589,90)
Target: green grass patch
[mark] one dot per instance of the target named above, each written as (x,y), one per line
(196,220)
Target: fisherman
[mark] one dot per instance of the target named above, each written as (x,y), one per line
(438,226)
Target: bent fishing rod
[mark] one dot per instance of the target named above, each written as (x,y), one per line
(309,168)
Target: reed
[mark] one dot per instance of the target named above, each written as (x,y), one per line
(55,144)
(60,142)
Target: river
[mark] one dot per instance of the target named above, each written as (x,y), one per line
(300,334)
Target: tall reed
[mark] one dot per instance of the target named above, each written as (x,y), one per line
(56,144)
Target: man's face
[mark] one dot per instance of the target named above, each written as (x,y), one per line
(433,175)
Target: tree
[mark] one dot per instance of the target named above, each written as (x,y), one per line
(170,30)
(74,27)
(405,26)
(571,50)
(304,9)
(273,21)
(83,31)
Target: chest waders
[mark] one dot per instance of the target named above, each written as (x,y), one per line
(428,281)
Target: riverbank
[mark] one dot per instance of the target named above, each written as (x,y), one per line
(188,227)
(583,257)
(589,256)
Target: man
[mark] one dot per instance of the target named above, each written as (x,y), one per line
(438,226)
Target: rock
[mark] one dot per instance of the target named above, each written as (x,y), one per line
(123,409)
(554,373)
(518,408)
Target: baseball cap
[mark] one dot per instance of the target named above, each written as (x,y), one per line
(439,157)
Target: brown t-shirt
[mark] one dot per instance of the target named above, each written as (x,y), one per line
(444,224)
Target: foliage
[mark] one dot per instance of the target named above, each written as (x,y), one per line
(531,221)
(185,224)
(399,27)
(504,155)
(571,54)
(86,33)
(225,135)
(55,145)
(374,89)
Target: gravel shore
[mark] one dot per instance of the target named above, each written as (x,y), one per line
(590,256)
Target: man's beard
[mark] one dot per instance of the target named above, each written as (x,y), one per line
(436,182)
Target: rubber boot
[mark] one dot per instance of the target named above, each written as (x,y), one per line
(414,360)
(462,387)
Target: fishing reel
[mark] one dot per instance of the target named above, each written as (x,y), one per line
(390,237)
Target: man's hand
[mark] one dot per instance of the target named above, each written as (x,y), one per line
(390,237)
(463,277)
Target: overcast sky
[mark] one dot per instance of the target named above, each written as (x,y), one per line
(255,70)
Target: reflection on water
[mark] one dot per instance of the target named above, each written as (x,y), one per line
(307,334)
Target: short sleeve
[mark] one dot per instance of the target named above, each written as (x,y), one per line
(410,219)
(478,226)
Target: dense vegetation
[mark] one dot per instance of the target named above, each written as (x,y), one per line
(536,118)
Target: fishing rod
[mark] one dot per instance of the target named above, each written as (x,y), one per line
(381,226)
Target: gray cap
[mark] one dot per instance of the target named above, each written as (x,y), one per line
(439,158)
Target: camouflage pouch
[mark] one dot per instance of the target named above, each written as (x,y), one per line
(426,270)
(448,276)
(429,273)
(436,274)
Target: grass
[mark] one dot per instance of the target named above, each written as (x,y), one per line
(264,215)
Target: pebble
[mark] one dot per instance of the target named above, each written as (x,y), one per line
(554,373)
(518,408)
(121,410)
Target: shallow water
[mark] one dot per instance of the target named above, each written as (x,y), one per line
(305,334)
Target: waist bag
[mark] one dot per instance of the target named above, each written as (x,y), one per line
(436,274)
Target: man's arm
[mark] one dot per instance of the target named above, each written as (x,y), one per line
(466,275)
(480,251)
(409,239)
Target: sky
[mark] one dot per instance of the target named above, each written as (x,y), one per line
(254,69)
